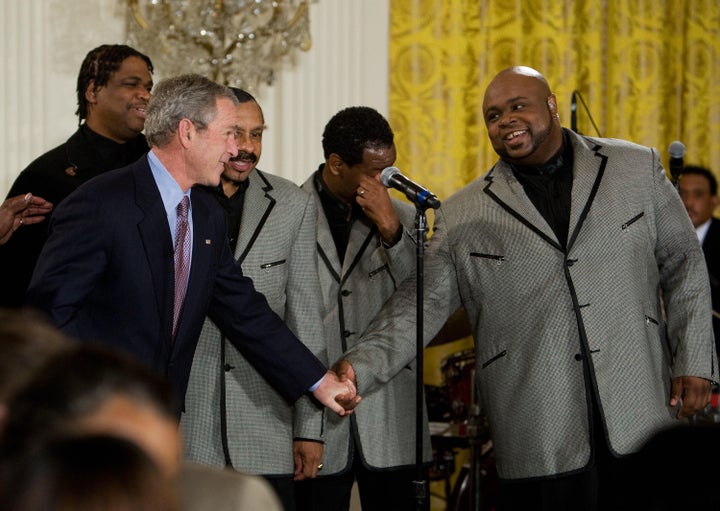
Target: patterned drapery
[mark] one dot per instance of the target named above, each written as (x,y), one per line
(648,71)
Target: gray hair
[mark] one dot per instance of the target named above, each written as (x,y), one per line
(189,96)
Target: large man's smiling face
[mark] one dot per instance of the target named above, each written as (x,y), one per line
(520,115)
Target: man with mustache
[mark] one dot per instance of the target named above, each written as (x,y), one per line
(233,417)
(113,89)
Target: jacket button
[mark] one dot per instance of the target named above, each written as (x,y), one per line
(578,357)
(345,292)
(229,367)
(570,262)
(347,333)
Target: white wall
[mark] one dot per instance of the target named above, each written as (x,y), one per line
(43,43)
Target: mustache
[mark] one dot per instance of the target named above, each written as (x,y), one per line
(252,157)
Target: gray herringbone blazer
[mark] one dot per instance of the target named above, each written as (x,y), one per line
(550,325)
(353,293)
(231,412)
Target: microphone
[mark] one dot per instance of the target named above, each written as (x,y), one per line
(573,111)
(677,151)
(391,177)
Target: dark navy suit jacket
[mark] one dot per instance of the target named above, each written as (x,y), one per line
(106,275)
(711,248)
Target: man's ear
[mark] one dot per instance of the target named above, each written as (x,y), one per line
(185,132)
(91,92)
(552,103)
(335,163)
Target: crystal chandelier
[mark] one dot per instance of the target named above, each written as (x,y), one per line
(234,42)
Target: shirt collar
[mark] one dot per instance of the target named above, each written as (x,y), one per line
(332,204)
(552,167)
(170,191)
(702,230)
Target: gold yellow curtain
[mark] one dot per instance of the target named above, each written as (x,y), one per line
(648,71)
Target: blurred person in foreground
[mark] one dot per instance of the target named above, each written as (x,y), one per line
(88,389)
(588,295)
(87,473)
(27,340)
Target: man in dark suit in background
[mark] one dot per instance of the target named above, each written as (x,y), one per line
(113,89)
(107,272)
(698,190)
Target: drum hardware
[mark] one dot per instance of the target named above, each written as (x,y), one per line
(467,428)
(711,413)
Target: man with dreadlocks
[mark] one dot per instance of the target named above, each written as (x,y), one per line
(113,89)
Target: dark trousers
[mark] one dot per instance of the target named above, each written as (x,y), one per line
(380,490)
(285,489)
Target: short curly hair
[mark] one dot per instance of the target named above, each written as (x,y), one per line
(352,130)
(98,66)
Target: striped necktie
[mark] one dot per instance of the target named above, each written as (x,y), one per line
(182,258)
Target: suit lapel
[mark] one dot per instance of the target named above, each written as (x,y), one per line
(153,227)
(361,235)
(258,204)
(588,169)
(325,243)
(506,190)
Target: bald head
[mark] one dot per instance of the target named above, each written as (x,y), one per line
(530,79)
(521,116)
(523,71)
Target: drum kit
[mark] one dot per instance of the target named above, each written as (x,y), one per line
(456,424)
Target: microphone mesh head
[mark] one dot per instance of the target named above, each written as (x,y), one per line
(386,174)
(676,149)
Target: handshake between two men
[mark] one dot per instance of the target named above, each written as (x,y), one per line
(338,389)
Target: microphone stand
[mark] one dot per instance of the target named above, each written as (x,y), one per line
(420,485)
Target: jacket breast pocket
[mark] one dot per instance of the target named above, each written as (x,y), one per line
(268,267)
(270,279)
(495,258)
(635,236)
(627,225)
(481,273)
(379,272)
